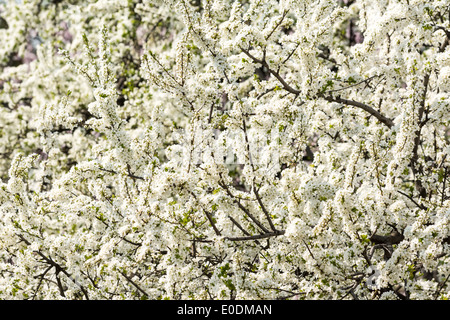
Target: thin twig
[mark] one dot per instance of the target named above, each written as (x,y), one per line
(263,208)
(134,284)
(278,24)
(258,236)
(354,85)
(421,206)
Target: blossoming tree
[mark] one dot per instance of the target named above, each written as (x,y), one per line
(224,149)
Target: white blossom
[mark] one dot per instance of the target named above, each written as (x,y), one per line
(225,149)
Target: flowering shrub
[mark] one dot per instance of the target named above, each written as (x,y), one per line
(222,149)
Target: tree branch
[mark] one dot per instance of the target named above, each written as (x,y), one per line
(286,86)
(134,284)
(278,24)
(394,238)
(258,236)
(388,122)
(57,267)
(263,208)
(244,209)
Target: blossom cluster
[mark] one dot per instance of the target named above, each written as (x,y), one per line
(225,149)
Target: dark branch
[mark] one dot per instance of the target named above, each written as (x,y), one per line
(258,236)
(388,122)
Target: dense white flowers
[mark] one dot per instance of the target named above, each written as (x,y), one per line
(225,149)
